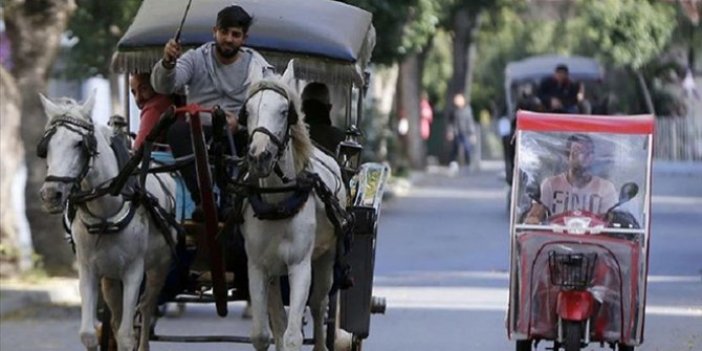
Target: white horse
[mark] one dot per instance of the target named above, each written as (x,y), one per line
(296,245)
(79,156)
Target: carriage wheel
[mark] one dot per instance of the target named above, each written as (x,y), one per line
(357,344)
(106,335)
(332,320)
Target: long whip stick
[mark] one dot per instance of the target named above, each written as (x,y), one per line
(182,22)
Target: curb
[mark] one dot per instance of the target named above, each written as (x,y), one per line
(16,296)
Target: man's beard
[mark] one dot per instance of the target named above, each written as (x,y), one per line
(226,53)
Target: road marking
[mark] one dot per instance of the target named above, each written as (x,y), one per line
(448,193)
(676,200)
(483,299)
(432,276)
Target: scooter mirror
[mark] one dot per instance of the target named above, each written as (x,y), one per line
(533,190)
(628,192)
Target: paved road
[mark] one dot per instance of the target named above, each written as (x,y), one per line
(442,263)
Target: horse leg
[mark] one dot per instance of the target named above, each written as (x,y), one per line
(319,299)
(131,282)
(88,282)
(258,289)
(276,311)
(300,277)
(155,279)
(112,292)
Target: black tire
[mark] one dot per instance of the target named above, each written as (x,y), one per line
(523,345)
(357,344)
(622,347)
(573,332)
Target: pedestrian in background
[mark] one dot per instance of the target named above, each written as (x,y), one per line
(461,133)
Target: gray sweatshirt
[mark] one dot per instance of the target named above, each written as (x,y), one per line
(209,82)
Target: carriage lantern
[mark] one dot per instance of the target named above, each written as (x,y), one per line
(349,152)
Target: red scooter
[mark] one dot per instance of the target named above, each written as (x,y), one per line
(580,278)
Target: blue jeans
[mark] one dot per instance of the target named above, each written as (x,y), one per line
(461,141)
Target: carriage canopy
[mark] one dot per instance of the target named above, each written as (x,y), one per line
(328,39)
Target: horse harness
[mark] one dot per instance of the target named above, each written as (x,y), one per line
(292,118)
(88,145)
(93,223)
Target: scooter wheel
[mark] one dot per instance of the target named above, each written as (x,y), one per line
(524,345)
(573,334)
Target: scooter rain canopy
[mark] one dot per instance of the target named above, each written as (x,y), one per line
(580,228)
(327,37)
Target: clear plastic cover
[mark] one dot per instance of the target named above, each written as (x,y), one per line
(580,222)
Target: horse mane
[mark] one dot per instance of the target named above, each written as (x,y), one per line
(301,143)
(66,106)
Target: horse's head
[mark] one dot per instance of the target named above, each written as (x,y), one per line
(68,144)
(269,114)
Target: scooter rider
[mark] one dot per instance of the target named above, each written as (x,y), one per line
(576,188)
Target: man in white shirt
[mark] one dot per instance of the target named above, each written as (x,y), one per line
(576,188)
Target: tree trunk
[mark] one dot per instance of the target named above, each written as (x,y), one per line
(383,89)
(410,74)
(645,92)
(34,29)
(464,28)
(15,247)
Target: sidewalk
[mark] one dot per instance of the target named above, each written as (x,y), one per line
(16,295)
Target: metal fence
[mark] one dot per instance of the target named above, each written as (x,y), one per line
(678,139)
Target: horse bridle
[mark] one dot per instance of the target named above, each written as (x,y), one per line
(292,118)
(89,144)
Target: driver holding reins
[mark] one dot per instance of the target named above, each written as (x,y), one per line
(575,189)
(216,73)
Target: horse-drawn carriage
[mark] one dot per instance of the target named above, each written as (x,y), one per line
(210,263)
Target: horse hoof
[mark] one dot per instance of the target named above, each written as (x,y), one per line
(89,340)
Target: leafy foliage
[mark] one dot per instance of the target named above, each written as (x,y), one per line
(98,25)
(627,32)
(402,26)
(437,67)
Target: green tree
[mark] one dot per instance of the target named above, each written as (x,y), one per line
(98,25)
(628,33)
(34,29)
(402,26)
(404,29)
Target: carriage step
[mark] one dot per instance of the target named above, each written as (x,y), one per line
(205,298)
(211,338)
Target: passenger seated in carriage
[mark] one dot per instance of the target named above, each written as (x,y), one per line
(152,106)
(316,105)
(216,73)
(559,93)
